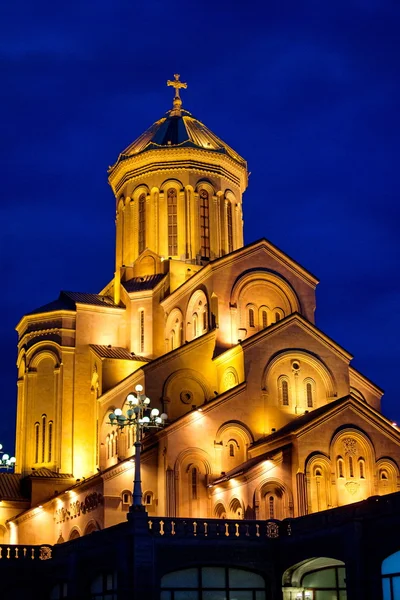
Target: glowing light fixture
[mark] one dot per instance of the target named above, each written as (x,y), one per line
(143,418)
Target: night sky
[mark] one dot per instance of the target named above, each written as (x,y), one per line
(307,92)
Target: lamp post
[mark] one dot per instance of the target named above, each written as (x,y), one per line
(142,417)
(6,461)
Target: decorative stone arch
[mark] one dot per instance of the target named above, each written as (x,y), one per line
(121,204)
(198,304)
(190,374)
(387,466)
(21,363)
(91,526)
(229,379)
(236,508)
(254,277)
(192,471)
(318,471)
(314,361)
(243,431)
(174,322)
(41,351)
(273,486)
(357,394)
(350,443)
(75,533)
(139,190)
(171,182)
(219,511)
(293,576)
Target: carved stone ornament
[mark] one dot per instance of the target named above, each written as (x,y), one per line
(352,487)
(272,530)
(45,553)
(186,396)
(350,446)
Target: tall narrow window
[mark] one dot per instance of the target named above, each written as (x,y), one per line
(277,317)
(231,450)
(362,468)
(251,317)
(309,395)
(43,437)
(264,319)
(108,446)
(194,483)
(340,467)
(205,318)
(229,223)
(37,433)
(351,467)
(141,320)
(194,325)
(285,393)
(271,507)
(172,222)
(172,339)
(142,222)
(204,224)
(49,456)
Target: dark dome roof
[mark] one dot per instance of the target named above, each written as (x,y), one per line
(179,128)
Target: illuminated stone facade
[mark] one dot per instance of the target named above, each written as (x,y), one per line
(267,419)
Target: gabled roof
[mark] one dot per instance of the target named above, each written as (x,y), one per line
(47,473)
(10,487)
(69,300)
(116,352)
(141,284)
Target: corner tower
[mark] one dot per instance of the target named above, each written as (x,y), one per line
(178,190)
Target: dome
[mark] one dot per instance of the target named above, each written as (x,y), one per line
(178,128)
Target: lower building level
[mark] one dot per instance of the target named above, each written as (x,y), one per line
(351,553)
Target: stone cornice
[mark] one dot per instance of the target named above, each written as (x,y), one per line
(175,158)
(42,317)
(372,387)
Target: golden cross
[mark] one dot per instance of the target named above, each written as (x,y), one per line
(177,103)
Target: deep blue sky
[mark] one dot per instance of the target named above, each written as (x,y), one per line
(308,92)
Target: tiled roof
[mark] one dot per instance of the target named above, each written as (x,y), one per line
(116,352)
(43,472)
(69,300)
(94,299)
(140,284)
(10,487)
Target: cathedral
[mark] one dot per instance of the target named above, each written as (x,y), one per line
(265,420)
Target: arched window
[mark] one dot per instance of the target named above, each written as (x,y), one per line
(317,472)
(264,318)
(309,393)
(142,223)
(108,444)
(49,457)
(251,317)
(172,339)
(43,437)
(361,466)
(231,450)
(351,467)
(141,326)
(229,224)
(285,393)
(204,224)
(271,507)
(383,475)
(172,222)
(37,434)
(340,469)
(193,482)
(277,317)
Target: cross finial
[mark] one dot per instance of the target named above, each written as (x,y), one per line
(177,102)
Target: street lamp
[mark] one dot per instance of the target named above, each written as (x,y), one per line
(143,418)
(6,461)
